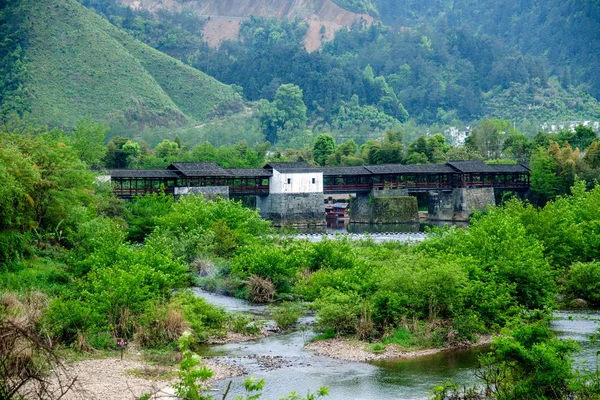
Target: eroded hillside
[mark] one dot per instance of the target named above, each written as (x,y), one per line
(323,16)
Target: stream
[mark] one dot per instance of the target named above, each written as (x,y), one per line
(286,366)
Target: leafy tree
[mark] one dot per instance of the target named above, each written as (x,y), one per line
(166,149)
(88,141)
(544,181)
(488,138)
(288,100)
(324,147)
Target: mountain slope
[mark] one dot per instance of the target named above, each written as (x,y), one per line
(80,65)
(324,17)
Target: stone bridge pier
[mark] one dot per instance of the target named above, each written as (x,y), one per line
(384,206)
(460,203)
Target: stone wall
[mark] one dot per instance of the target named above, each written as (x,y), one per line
(209,192)
(381,208)
(459,204)
(292,209)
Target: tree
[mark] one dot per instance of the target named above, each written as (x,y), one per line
(324,146)
(544,181)
(584,136)
(288,100)
(166,149)
(88,141)
(488,137)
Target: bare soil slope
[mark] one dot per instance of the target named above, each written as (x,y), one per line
(226,15)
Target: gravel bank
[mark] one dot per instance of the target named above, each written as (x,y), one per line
(350,350)
(113,379)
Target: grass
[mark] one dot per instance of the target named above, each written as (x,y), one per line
(403,338)
(79,65)
(153,373)
(40,274)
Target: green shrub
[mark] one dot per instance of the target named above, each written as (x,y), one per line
(12,246)
(340,312)
(583,281)
(102,341)
(377,348)
(286,315)
(243,323)
(402,337)
(204,318)
(272,263)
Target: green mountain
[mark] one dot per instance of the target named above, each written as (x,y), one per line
(60,62)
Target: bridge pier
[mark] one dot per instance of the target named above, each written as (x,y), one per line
(384,206)
(460,203)
(292,208)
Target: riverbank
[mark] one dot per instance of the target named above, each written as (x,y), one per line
(352,350)
(131,378)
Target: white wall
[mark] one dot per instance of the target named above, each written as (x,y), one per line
(299,182)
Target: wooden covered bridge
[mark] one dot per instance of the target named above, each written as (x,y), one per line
(359,179)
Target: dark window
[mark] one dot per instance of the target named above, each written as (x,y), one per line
(314,181)
(289,181)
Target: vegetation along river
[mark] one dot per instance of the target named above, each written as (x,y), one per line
(285,365)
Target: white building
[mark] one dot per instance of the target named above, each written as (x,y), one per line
(294,177)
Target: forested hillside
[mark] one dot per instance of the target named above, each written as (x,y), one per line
(564,32)
(439,63)
(62,62)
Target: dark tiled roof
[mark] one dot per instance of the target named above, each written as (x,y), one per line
(510,168)
(292,167)
(142,173)
(249,172)
(358,170)
(198,169)
(474,166)
(410,169)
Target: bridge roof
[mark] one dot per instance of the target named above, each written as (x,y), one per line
(249,172)
(357,170)
(198,169)
(292,167)
(410,169)
(510,168)
(473,166)
(143,173)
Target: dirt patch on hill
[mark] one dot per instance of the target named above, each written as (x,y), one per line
(323,16)
(219,29)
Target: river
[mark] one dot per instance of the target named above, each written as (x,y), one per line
(300,370)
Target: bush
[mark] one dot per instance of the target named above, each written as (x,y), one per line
(268,263)
(12,246)
(340,312)
(287,314)
(583,281)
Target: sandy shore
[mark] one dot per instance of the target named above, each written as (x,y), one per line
(352,350)
(113,379)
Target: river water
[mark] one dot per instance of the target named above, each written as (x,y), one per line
(302,371)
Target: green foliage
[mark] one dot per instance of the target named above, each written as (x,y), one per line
(197,226)
(583,281)
(156,90)
(143,213)
(323,147)
(358,6)
(273,263)
(529,363)
(191,377)
(286,315)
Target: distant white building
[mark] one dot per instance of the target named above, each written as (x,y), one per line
(457,136)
